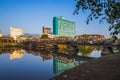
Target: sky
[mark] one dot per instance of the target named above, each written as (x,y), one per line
(32,15)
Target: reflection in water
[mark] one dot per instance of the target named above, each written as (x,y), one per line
(118,48)
(41,65)
(17,54)
(31,67)
(88,50)
(44,54)
(60,64)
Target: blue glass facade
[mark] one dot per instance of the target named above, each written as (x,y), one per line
(62,27)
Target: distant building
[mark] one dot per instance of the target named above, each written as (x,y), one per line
(58,38)
(46,30)
(1,34)
(89,38)
(16,32)
(62,27)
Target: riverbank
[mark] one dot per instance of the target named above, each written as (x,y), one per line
(104,68)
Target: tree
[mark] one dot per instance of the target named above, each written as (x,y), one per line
(105,10)
(44,36)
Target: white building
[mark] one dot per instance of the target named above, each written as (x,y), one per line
(1,34)
(16,32)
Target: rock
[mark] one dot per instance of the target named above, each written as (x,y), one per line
(65,76)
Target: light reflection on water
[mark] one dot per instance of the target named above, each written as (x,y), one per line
(28,67)
(19,64)
(94,54)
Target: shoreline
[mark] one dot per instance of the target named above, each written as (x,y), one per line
(104,68)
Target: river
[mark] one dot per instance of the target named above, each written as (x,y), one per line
(20,64)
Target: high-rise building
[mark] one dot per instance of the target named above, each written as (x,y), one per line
(62,27)
(46,30)
(16,32)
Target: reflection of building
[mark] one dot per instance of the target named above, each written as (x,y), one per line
(62,27)
(16,32)
(46,56)
(17,54)
(60,64)
(46,30)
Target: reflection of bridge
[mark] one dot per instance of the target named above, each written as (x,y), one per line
(6,50)
(74,43)
(74,57)
(70,43)
(45,55)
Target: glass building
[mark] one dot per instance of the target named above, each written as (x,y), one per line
(62,27)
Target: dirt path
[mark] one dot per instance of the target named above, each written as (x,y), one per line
(106,68)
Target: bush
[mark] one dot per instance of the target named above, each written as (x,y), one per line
(44,36)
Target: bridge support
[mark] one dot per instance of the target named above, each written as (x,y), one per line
(107,50)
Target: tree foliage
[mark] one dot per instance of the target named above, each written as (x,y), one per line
(44,36)
(105,10)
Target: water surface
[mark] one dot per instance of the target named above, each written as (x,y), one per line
(19,64)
